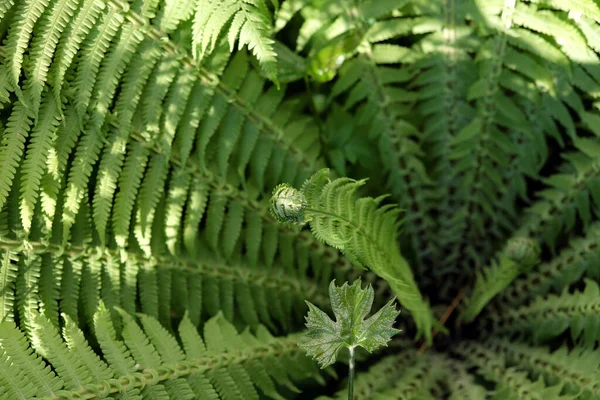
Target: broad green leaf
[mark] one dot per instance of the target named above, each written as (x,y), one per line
(351,304)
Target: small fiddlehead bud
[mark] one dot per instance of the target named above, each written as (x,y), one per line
(288,204)
(523,251)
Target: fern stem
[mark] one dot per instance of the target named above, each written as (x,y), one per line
(351,374)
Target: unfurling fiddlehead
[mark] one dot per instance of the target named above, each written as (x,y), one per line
(362,229)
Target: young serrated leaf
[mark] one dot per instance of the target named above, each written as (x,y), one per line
(351,304)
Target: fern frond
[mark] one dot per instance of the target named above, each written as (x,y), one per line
(84,21)
(462,384)
(131,176)
(9,272)
(110,71)
(95,47)
(574,262)
(27,290)
(49,287)
(42,136)
(512,383)
(171,13)
(363,231)
(43,46)
(250,24)
(12,146)
(86,155)
(415,383)
(195,208)
(25,361)
(73,360)
(548,317)
(14,383)
(86,276)
(519,256)
(575,369)
(568,190)
(178,193)
(26,16)
(148,199)
(47,342)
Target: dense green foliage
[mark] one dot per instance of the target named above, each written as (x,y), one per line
(140,141)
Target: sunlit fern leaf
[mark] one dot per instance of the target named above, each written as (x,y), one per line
(178,193)
(50,274)
(195,208)
(43,46)
(85,18)
(231,129)
(95,48)
(110,167)
(47,342)
(175,103)
(24,361)
(42,136)
(232,79)
(26,16)
(171,13)
(86,155)
(12,146)
(129,183)
(110,71)
(148,200)
(9,273)
(200,97)
(56,164)
(247,21)
(14,383)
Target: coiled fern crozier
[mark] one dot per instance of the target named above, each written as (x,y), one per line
(446,152)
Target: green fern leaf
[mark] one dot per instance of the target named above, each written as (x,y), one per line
(86,17)
(8,277)
(95,47)
(12,145)
(110,71)
(27,15)
(56,164)
(196,205)
(42,136)
(48,343)
(43,46)
(129,182)
(178,193)
(250,23)
(23,358)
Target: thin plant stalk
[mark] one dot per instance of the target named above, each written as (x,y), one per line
(351,374)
